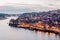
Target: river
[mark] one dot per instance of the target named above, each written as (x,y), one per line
(10,33)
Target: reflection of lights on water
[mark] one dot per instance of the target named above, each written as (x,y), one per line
(46,33)
(57,36)
(39,33)
(52,34)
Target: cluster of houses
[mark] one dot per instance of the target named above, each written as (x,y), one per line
(48,20)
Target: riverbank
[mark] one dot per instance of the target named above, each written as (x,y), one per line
(41,29)
(56,31)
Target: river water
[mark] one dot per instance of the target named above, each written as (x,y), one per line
(10,33)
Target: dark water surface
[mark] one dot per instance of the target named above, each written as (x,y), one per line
(9,33)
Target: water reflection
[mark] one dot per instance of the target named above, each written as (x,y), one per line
(47,35)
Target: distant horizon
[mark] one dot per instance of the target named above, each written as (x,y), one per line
(26,12)
(23,8)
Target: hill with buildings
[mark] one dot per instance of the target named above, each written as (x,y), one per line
(39,20)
